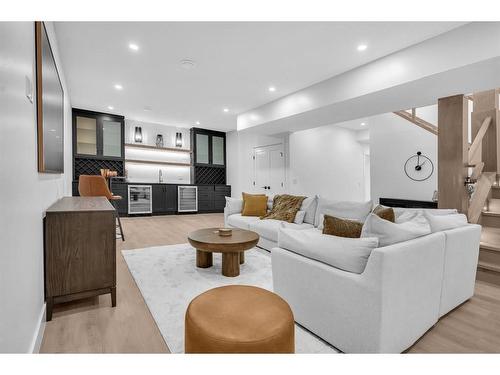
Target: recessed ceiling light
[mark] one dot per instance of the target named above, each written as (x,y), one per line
(197,123)
(133,47)
(110,107)
(226,109)
(188,64)
(362,47)
(118,87)
(272,88)
(363,124)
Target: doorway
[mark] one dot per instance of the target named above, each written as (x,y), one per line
(269,169)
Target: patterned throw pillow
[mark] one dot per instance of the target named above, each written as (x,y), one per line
(341,227)
(285,207)
(386,213)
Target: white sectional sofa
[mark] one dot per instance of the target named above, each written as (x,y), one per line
(380,301)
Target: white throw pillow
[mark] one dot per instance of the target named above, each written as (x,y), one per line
(348,254)
(299,217)
(342,209)
(439,223)
(234,205)
(390,233)
(309,205)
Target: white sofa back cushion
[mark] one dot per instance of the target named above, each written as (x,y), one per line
(404,214)
(234,205)
(389,233)
(309,205)
(342,209)
(348,254)
(439,223)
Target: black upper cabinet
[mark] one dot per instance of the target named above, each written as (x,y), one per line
(98,135)
(209,147)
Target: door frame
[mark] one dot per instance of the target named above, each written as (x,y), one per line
(282,146)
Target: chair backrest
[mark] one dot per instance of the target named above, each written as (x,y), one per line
(93,186)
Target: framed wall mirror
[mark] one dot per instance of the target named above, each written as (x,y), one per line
(49,106)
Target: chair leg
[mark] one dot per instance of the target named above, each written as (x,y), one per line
(119,221)
(120,225)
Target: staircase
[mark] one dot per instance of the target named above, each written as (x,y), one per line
(484,204)
(479,196)
(489,253)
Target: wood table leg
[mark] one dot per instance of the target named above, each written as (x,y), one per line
(204,259)
(242,257)
(231,264)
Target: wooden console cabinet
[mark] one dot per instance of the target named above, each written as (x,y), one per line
(80,250)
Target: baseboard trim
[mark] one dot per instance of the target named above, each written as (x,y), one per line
(38,337)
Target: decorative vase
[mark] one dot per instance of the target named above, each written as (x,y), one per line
(159,140)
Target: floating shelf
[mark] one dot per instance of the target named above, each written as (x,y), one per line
(147,147)
(158,162)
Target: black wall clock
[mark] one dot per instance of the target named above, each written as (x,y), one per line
(419,167)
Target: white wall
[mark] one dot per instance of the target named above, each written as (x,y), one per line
(138,172)
(239,153)
(24,193)
(392,141)
(327,161)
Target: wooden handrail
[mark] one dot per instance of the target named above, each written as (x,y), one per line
(480,196)
(417,121)
(479,138)
(476,172)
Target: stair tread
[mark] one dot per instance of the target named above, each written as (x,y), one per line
(488,266)
(490,238)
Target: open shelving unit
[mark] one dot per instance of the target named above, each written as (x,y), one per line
(148,147)
(158,162)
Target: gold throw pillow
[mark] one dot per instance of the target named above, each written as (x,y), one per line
(341,227)
(285,207)
(386,213)
(254,205)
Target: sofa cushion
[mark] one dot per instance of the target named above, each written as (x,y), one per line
(348,254)
(406,214)
(242,222)
(342,209)
(234,205)
(335,226)
(389,233)
(269,228)
(439,223)
(309,205)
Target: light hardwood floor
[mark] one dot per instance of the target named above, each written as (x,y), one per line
(93,326)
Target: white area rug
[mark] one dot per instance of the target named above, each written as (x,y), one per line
(169,279)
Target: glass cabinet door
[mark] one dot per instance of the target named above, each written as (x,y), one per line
(202,148)
(86,136)
(217,150)
(111,138)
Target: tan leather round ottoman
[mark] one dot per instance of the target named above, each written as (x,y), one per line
(239,319)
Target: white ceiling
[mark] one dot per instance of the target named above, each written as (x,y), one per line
(235,63)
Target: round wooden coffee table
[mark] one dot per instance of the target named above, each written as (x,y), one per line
(207,241)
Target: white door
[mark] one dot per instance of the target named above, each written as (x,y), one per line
(269,170)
